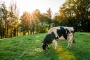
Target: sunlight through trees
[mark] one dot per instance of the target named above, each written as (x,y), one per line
(74,13)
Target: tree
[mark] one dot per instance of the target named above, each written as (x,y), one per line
(2,30)
(13,19)
(4,16)
(49,15)
(40,20)
(9,19)
(1,23)
(25,22)
(36,15)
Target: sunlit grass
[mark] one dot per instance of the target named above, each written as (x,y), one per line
(29,48)
(65,55)
(59,50)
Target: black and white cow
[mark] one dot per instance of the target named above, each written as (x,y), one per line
(61,33)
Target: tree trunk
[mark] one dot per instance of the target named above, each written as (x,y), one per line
(49,26)
(7,30)
(17,31)
(24,33)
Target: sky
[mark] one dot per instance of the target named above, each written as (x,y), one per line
(31,5)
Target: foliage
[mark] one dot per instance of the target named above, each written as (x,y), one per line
(25,22)
(75,13)
(8,20)
(36,21)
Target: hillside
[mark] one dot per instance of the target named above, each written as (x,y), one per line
(29,48)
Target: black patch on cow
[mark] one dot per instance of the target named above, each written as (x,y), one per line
(48,39)
(62,32)
(67,31)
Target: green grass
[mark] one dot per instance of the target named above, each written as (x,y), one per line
(29,48)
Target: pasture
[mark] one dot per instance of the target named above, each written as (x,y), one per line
(29,48)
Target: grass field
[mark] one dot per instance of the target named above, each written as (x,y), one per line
(29,48)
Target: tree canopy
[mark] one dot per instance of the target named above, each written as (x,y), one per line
(75,13)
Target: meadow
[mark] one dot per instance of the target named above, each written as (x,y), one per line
(29,48)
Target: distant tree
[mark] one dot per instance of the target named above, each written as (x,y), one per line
(49,16)
(13,19)
(57,20)
(40,20)
(2,29)
(25,22)
(4,16)
(36,15)
(9,19)
(1,23)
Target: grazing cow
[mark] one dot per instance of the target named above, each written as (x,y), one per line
(61,33)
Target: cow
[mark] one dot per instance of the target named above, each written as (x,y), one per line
(58,33)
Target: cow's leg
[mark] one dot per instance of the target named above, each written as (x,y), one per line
(69,44)
(70,41)
(55,44)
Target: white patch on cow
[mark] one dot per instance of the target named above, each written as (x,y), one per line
(61,38)
(54,29)
(55,43)
(70,40)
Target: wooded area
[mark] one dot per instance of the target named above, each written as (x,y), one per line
(74,13)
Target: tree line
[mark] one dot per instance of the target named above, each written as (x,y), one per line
(74,13)
(35,22)
(11,24)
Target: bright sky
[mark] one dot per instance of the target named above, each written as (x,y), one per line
(42,5)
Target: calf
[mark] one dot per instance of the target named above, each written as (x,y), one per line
(55,33)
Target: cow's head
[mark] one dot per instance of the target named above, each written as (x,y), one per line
(44,45)
(69,30)
(47,40)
